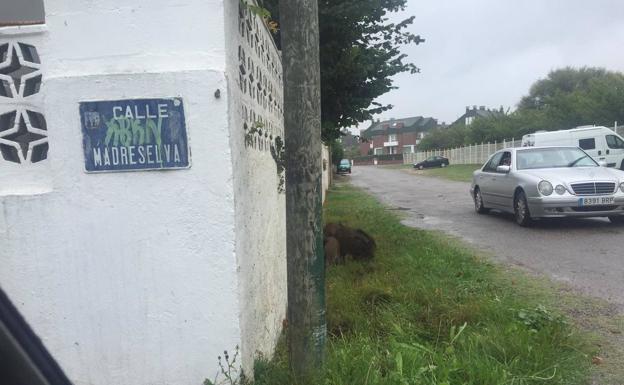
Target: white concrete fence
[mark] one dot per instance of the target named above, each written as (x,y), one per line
(472,154)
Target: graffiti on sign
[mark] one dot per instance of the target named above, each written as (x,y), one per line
(137,134)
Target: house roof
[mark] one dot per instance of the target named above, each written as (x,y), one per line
(348,139)
(480,112)
(487,113)
(411,124)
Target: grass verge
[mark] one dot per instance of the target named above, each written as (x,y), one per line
(427,311)
(400,166)
(457,172)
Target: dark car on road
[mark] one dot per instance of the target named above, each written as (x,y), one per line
(344,166)
(432,161)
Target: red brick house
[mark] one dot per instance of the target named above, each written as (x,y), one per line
(395,136)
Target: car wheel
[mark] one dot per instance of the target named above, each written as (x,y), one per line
(443,165)
(421,167)
(617,220)
(521,210)
(478,202)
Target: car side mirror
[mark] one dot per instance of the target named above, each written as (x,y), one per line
(602,163)
(503,169)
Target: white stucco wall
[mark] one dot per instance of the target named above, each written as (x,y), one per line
(25,177)
(141,277)
(260,207)
(88,37)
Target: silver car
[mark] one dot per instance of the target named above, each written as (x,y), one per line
(548,182)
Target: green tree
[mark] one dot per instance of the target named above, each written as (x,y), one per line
(337,151)
(570,97)
(352,151)
(566,98)
(359,52)
(450,137)
(561,81)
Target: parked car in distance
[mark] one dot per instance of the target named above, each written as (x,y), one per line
(432,161)
(344,166)
(548,182)
(599,142)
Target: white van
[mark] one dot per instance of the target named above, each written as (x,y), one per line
(599,142)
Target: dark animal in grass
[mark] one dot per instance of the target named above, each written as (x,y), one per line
(332,251)
(331,229)
(354,242)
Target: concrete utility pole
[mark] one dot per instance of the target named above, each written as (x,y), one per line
(302,122)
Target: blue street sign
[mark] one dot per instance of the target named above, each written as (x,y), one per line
(135,134)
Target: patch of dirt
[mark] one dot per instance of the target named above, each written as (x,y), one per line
(606,322)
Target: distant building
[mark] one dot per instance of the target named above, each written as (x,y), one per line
(472,113)
(395,136)
(348,139)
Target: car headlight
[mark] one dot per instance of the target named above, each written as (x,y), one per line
(622,187)
(560,189)
(545,188)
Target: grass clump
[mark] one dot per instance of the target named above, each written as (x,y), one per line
(426,311)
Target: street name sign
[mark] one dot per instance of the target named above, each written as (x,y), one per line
(134,135)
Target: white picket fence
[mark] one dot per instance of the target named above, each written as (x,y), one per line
(472,154)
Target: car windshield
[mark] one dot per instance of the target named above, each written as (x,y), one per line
(553,158)
(345,162)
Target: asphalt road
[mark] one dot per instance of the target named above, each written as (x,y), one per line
(588,254)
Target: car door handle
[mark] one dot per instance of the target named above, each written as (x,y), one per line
(607,152)
(599,153)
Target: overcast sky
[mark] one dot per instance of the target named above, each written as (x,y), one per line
(489,52)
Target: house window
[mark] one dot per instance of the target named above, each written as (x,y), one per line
(379,151)
(392,138)
(469,120)
(408,149)
(21,12)
(392,150)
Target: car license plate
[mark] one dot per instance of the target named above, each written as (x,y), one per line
(596,201)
